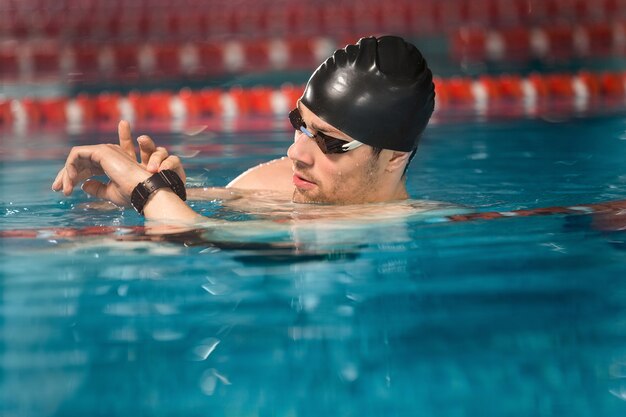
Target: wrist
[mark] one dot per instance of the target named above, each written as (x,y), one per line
(161,181)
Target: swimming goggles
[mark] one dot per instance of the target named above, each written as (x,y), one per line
(327,144)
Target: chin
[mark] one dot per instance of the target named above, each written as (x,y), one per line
(302,197)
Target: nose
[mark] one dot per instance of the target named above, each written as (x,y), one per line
(302,149)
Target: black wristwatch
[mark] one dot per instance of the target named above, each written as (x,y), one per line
(162,179)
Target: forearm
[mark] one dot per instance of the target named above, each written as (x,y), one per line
(165,205)
(212,193)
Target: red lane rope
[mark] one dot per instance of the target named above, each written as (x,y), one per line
(618,207)
(608,216)
(70,232)
(580,89)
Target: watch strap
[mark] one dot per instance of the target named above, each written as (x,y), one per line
(162,179)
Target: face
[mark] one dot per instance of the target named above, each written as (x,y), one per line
(351,177)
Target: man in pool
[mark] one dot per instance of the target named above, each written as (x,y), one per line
(357,126)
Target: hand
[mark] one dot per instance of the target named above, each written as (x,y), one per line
(153,158)
(84,162)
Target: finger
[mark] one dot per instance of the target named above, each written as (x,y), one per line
(80,158)
(146,148)
(84,173)
(57,184)
(173,163)
(68,186)
(103,191)
(156,158)
(126,140)
(94,188)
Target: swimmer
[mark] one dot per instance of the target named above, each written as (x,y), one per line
(357,127)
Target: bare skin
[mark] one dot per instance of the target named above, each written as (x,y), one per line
(307,175)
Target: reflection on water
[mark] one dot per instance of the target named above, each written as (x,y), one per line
(520,316)
(335,315)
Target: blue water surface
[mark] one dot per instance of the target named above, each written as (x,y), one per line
(415,316)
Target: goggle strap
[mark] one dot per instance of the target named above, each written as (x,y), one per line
(351,145)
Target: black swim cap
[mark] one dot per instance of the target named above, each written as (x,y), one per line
(379,91)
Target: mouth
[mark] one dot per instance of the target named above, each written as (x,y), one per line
(302,183)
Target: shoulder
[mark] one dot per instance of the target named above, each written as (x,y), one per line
(273,175)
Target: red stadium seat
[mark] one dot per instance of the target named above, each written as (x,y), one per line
(469,44)
(517,43)
(210,58)
(86,61)
(561,42)
(126,66)
(167,60)
(448,15)
(394,17)
(601,40)
(9,61)
(256,54)
(302,53)
(46,59)
(340,20)
(421,17)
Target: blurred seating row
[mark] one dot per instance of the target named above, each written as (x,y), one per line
(549,43)
(164,106)
(129,62)
(172,20)
(85,63)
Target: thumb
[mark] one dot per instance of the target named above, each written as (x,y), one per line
(173,162)
(94,188)
(98,189)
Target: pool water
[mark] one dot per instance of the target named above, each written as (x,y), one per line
(403,316)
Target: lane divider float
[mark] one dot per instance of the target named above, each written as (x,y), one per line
(608,216)
(579,90)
